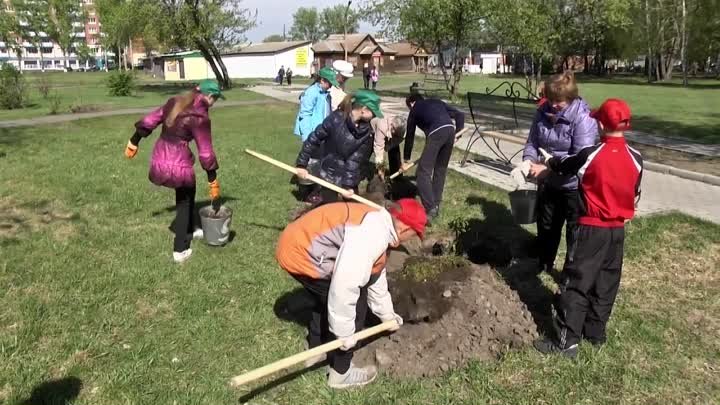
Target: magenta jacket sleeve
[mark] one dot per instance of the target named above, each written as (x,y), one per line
(203,139)
(151,121)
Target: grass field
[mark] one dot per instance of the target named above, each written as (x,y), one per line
(89,89)
(95,312)
(666,109)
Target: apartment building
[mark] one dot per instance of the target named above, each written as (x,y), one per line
(49,56)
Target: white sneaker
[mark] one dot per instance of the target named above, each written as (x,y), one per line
(354,377)
(181,257)
(198,234)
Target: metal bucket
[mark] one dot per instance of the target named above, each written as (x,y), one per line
(216,224)
(523,204)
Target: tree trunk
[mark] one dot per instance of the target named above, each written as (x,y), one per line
(717,66)
(226,82)
(683,43)
(586,68)
(42,59)
(538,75)
(649,40)
(210,60)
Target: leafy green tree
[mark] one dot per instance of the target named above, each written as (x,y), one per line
(10,30)
(33,18)
(306,25)
(206,25)
(332,20)
(63,14)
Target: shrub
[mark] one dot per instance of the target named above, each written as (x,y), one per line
(13,93)
(44,85)
(121,83)
(55,103)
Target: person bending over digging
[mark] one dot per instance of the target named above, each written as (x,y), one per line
(346,140)
(338,252)
(435,119)
(609,176)
(184,118)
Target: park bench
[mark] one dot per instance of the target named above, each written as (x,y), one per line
(498,115)
(432,85)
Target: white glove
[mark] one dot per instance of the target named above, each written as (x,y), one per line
(396,318)
(348,343)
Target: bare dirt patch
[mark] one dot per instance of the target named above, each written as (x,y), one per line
(18,220)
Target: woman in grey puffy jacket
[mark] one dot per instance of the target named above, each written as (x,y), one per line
(562,127)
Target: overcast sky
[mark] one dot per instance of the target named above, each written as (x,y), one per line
(272,14)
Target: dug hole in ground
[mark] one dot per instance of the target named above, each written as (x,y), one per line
(464,295)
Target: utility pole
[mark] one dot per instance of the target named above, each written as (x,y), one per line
(284,37)
(347,9)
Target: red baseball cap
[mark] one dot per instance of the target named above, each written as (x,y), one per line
(614,114)
(411,213)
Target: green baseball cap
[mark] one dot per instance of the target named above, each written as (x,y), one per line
(211,88)
(329,75)
(369,99)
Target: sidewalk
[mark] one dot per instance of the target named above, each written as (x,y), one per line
(55,119)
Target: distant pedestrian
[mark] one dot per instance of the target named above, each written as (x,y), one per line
(374,76)
(366,76)
(288,74)
(281,74)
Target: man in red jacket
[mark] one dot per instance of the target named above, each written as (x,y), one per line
(609,175)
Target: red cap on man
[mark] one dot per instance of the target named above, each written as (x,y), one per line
(614,114)
(411,213)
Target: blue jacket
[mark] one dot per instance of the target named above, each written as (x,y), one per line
(572,131)
(314,107)
(346,149)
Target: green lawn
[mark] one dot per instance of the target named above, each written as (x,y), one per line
(666,109)
(90,294)
(89,89)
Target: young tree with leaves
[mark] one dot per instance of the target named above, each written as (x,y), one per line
(10,31)
(34,19)
(63,14)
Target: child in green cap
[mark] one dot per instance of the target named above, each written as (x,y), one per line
(184,118)
(346,139)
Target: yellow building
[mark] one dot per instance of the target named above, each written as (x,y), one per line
(189,66)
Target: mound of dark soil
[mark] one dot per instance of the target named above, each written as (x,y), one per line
(466,312)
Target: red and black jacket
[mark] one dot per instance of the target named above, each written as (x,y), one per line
(609,176)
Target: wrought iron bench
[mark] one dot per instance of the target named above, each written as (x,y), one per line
(500,113)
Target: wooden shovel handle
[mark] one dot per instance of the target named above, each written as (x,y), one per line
(307,354)
(312,178)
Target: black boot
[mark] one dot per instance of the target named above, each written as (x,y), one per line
(547,346)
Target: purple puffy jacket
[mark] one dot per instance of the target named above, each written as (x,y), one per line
(572,131)
(172,160)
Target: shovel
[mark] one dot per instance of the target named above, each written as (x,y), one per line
(307,354)
(312,178)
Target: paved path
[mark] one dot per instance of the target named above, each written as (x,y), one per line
(54,119)
(661,192)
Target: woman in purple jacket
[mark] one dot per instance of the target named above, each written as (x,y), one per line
(562,127)
(185,118)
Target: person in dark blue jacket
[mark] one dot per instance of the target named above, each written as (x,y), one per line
(435,119)
(347,141)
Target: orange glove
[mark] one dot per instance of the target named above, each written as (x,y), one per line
(130,150)
(214,190)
